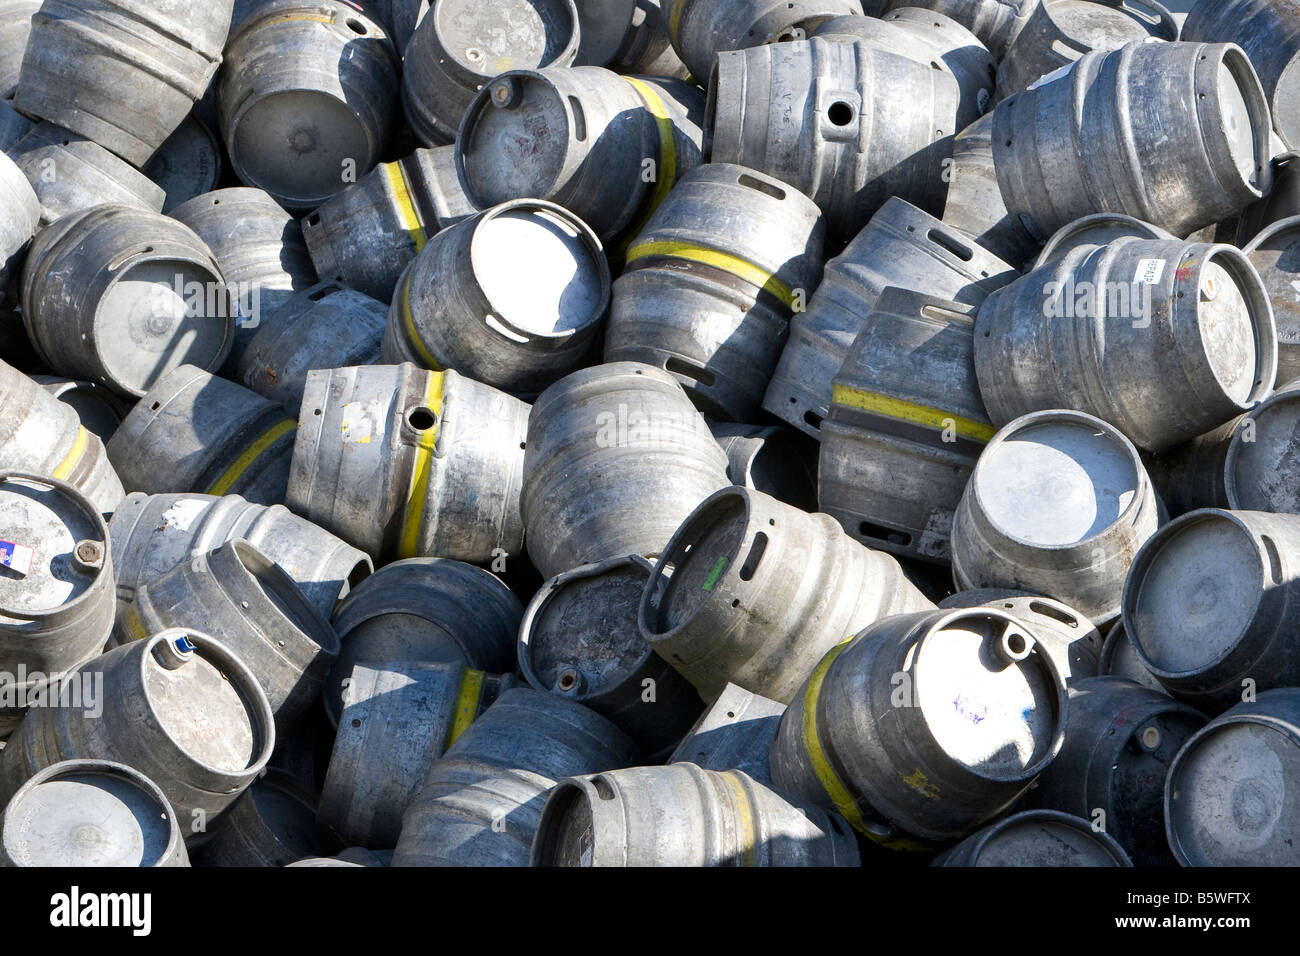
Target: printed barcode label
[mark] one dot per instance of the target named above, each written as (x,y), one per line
(1149,271)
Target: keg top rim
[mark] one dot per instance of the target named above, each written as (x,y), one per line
(1234,474)
(1100,840)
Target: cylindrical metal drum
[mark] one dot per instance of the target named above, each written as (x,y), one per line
(513,297)
(261,252)
(56,593)
(308,97)
(99,410)
(15,26)
(1274,253)
(254,608)
(463,44)
(402,462)
(734,733)
(404,16)
(902,246)
(1119,658)
(188,164)
(90,813)
(996,23)
(20,216)
(722,818)
(368,234)
(122,297)
(905,428)
(124,73)
(847,124)
(71,174)
(1058,504)
(1038,838)
(628,36)
(924,726)
(775,460)
(1209,605)
(974,204)
(1098,229)
(399,718)
(1162,339)
(754,592)
(1059,32)
(41,435)
(617,457)
(326,326)
(179,707)
(1060,152)
(194,432)
(579,639)
(272,824)
(151,534)
(1231,793)
(605,147)
(1120,739)
(712,282)
(481,803)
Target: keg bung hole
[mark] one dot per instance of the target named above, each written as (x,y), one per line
(355,723)
(421,418)
(840,113)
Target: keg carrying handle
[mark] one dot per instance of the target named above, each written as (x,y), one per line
(1151,12)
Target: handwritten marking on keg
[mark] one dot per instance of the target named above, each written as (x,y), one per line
(919,782)
(1149,271)
(64,468)
(1186,268)
(715,573)
(972,710)
(17,557)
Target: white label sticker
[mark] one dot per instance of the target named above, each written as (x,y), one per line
(182,514)
(1149,271)
(358,422)
(16,556)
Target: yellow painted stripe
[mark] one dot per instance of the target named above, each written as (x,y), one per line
(421,473)
(910,412)
(405,204)
(135,629)
(745,812)
(290,17)
(666,173)
(74,457)
(675,21)
(830,781)
(412,333)
(719,260)
(254,451)
(471,692)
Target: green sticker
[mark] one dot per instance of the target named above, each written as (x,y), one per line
(716,573)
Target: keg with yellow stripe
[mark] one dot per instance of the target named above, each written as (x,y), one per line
(308,97)
(425,609)
(403,462)
(905,428)
(752,591)
(514,297)
(42,435)
(711,284)
(719,819)
(923,727)
(368,234)
(480,804)
(461,44)
(195,432)
(399,717)
(606,147)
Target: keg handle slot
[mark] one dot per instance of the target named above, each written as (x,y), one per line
(755,556)
(1153,14)
(1067,52)
(951,244)
(768,189)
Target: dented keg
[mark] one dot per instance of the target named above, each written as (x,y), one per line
(1059,32)
(20,216)
(425,610)
(15,26)
(901,246)
(41,435)
(272,824)
(905,428)
(996,23)
(1162,339)
(325,326)
(579,639)
(1061,154)
(122,297)
(1120,739)
(723,818)
(775,460)
(90,813)
(237,595)
(734,733)
(754,592)
(1058,504)
(1038,838)
(1209,602)
(607,148)
(124,73)
(1273,253)
(402,462)
(617,457)
(481,803)
(151,534)
(712,282)
(924,726)
(195,432)
(974,204)
(368,234)
(513,297)
(462,44)
(179,707)
(308,97)
(398,718)
(1230,797)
